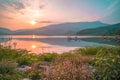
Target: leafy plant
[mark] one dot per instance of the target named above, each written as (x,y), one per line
(8,71)
(27,59)
(47,57)
(88,51)
(107,64)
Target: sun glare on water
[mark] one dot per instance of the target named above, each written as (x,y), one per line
(34,46)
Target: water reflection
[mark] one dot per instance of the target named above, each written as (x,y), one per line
(33,36)
(42,44)
(34,46)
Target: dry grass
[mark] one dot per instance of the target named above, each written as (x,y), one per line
(70,69)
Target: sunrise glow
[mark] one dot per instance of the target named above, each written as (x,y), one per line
(24,14)
(33,46)
(33,36)
(33,22)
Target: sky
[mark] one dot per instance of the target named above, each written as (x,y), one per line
(22,14)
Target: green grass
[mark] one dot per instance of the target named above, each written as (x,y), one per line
(88,63)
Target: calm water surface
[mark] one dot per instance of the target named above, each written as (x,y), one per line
(59,44)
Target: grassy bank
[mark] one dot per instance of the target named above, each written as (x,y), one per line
(89,63)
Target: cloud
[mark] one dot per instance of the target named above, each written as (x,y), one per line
(18,8)
(42,6)
(9,8)
(5,17)
(46,22)
(21,4)
(15,4)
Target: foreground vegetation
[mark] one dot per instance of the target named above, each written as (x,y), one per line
(89,63)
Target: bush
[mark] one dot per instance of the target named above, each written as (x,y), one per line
(88,50)
(70,69)
(27,59)
(7,67)
(34,75)
(8,71)
(107,64)
(11,54)
(47,57)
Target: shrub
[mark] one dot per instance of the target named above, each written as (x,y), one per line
(27,59)
(8,71)
(34,75)
(47,57)
(70,69)
(88,50)
(107,64)
(11,54)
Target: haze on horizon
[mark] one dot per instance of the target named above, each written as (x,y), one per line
(21,14)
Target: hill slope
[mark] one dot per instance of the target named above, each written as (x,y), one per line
(4,31)
(60,29)
(106,30)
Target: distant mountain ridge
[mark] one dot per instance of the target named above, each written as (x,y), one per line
(106,30)
(60,29)
(5,31)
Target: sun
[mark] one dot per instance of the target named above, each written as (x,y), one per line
(33,22)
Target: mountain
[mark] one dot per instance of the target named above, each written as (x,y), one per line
(4,31)
(106,30)
(60,29)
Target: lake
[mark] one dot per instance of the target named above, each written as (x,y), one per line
(59,44)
